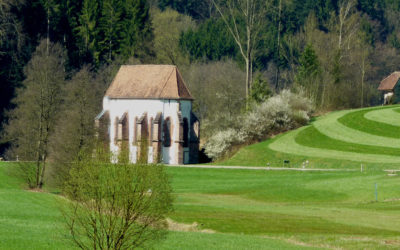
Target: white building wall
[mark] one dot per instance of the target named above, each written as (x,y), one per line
(135,109)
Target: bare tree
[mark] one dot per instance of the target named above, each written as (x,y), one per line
(222,81)
(168,26)
(252,14)
(74,130)
(38,103)
(348,23)
(10,28)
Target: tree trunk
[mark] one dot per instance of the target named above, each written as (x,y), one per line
(48,27)
(362,82)
(249,68)
(247,79)
(278,45)
(42,173)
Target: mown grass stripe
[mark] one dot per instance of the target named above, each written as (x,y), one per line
(389,116)
(357,121)
(288,144)
(331,127)
(260,155)
(311,137)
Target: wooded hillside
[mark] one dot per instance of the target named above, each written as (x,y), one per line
(335,51)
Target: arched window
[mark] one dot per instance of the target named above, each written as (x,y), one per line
(116,130)
(151,132)
(144,133)
(167,132)
(135,130)
(125,126)
(185,133)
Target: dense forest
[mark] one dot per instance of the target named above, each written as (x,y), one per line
(230,55)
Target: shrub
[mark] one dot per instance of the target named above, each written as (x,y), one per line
(116,206)
(279,113)
(221,141)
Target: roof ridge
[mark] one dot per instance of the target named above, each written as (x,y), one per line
(389,82)
(165,84)
(152,81)
(178,74)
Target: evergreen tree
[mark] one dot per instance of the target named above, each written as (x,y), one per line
(110,28)
(87,28)
(260,90)
(136,33)
(308,72)
(309,65)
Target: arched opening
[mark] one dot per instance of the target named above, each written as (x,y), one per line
(103,127)
(185,133)
(124,138)
(135,131)
(167,132)
(117,133)
(151,130)
(143,138)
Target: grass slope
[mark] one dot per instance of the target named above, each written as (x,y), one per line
(370,136)
(247,209)
(320,209)
(28,220)
(31,220)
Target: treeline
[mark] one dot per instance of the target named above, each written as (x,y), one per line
(336,52)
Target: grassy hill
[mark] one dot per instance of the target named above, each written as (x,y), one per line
(342,139)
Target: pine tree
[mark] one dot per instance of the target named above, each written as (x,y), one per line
(87,29)
(137,36)
(308,72)
(110,27)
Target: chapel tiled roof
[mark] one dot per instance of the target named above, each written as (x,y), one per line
(148,82)
(389,82)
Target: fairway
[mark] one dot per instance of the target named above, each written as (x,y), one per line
(341,139)
(319,209)
(260,209)
(243,209)
(32,220)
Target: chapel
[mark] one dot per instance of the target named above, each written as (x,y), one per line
(147,113)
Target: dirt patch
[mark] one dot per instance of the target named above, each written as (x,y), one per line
(392,242)
(294,241)
(182,227)
(394,199)
(36,190)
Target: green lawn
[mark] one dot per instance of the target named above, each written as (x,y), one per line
(315,208)
(31,220)
(28,220)
(259,209)
(311,137)
(356,120)
(342,139)
(247,209)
